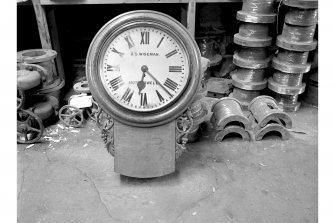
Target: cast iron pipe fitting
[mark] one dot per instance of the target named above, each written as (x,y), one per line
(253,35)
(266,111)
(301,17)
(290,67)
(288,103)
(244,96)
(261,132)
(249,79)
(251,57)
(257,11)
(227,111)
(304,4)
(220,135)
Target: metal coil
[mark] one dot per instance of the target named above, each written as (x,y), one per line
(254,30)
(258,6)
(253,53)
(292,80)
(293,57)
(249,75)
(298,33)
(286,99)
(301,17)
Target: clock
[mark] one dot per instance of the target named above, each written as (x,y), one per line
(143,70)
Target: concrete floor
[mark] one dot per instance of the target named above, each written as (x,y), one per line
(71,179)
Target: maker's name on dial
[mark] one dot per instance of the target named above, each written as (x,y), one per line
(143,54)
(146,82)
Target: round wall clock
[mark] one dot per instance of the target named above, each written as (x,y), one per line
(143,68)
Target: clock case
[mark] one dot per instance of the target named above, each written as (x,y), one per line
(144,144)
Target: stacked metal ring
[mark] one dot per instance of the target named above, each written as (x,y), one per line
(252,58)
(295,42)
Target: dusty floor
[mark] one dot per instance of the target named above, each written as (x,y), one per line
(71,179)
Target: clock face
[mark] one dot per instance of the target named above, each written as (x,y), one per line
(144,69)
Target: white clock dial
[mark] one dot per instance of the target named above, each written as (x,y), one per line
(144,69)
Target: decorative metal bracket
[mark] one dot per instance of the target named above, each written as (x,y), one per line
(184,124)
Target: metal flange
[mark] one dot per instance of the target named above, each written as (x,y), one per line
(288,103)
(289,67)
(253,35)
(249,79)
(227,111)
(299,34)
(250,62)
(81,87)
(29,127)
(292,57)
(36,55)
(304,4)
(260,133)
(287,90)
(301,17)
(220,135)
(266,110)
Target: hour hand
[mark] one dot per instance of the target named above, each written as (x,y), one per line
(141,84)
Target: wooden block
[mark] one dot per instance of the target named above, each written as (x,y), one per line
(144,152)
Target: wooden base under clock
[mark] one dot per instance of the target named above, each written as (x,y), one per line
(144,152)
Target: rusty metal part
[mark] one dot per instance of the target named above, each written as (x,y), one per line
(261,132)
(251,57)
(301,17)
(71,116)
(249,79)
(297,38)
(104,120)
(43,110)
(27,79)
(288,103)
(266,110)
(220,135)
(81,87)
(42,57)
(29,127)
(257,11)
(304,4)
(44,78)
(287,79)
(289,67)
(207,49)
(20,98)
(292,57)
(284,89)
(244,96)
(58,84)
(227,111)
(253,35)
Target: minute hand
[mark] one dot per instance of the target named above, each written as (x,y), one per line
(159,83)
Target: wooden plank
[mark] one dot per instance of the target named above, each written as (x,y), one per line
(55,42)
(43,29)
(144,152)
(191,10)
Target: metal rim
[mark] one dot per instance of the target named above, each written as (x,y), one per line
(29,127)
(71,116)
(121,23)
(47,55)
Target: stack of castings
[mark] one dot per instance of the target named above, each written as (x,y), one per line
(295,42)
(252,58)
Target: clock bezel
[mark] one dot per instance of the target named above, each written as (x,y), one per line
(99,46)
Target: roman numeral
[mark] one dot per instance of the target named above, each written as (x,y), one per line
(113,68)
(159,96)
(128,94)
(116,51)
(130,41)
(160,42)
(116,83)
(175,69)
(170,84)
(173,52)
(144,101)
(144,38)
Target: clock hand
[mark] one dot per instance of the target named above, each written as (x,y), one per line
(141,84)
(145,69)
